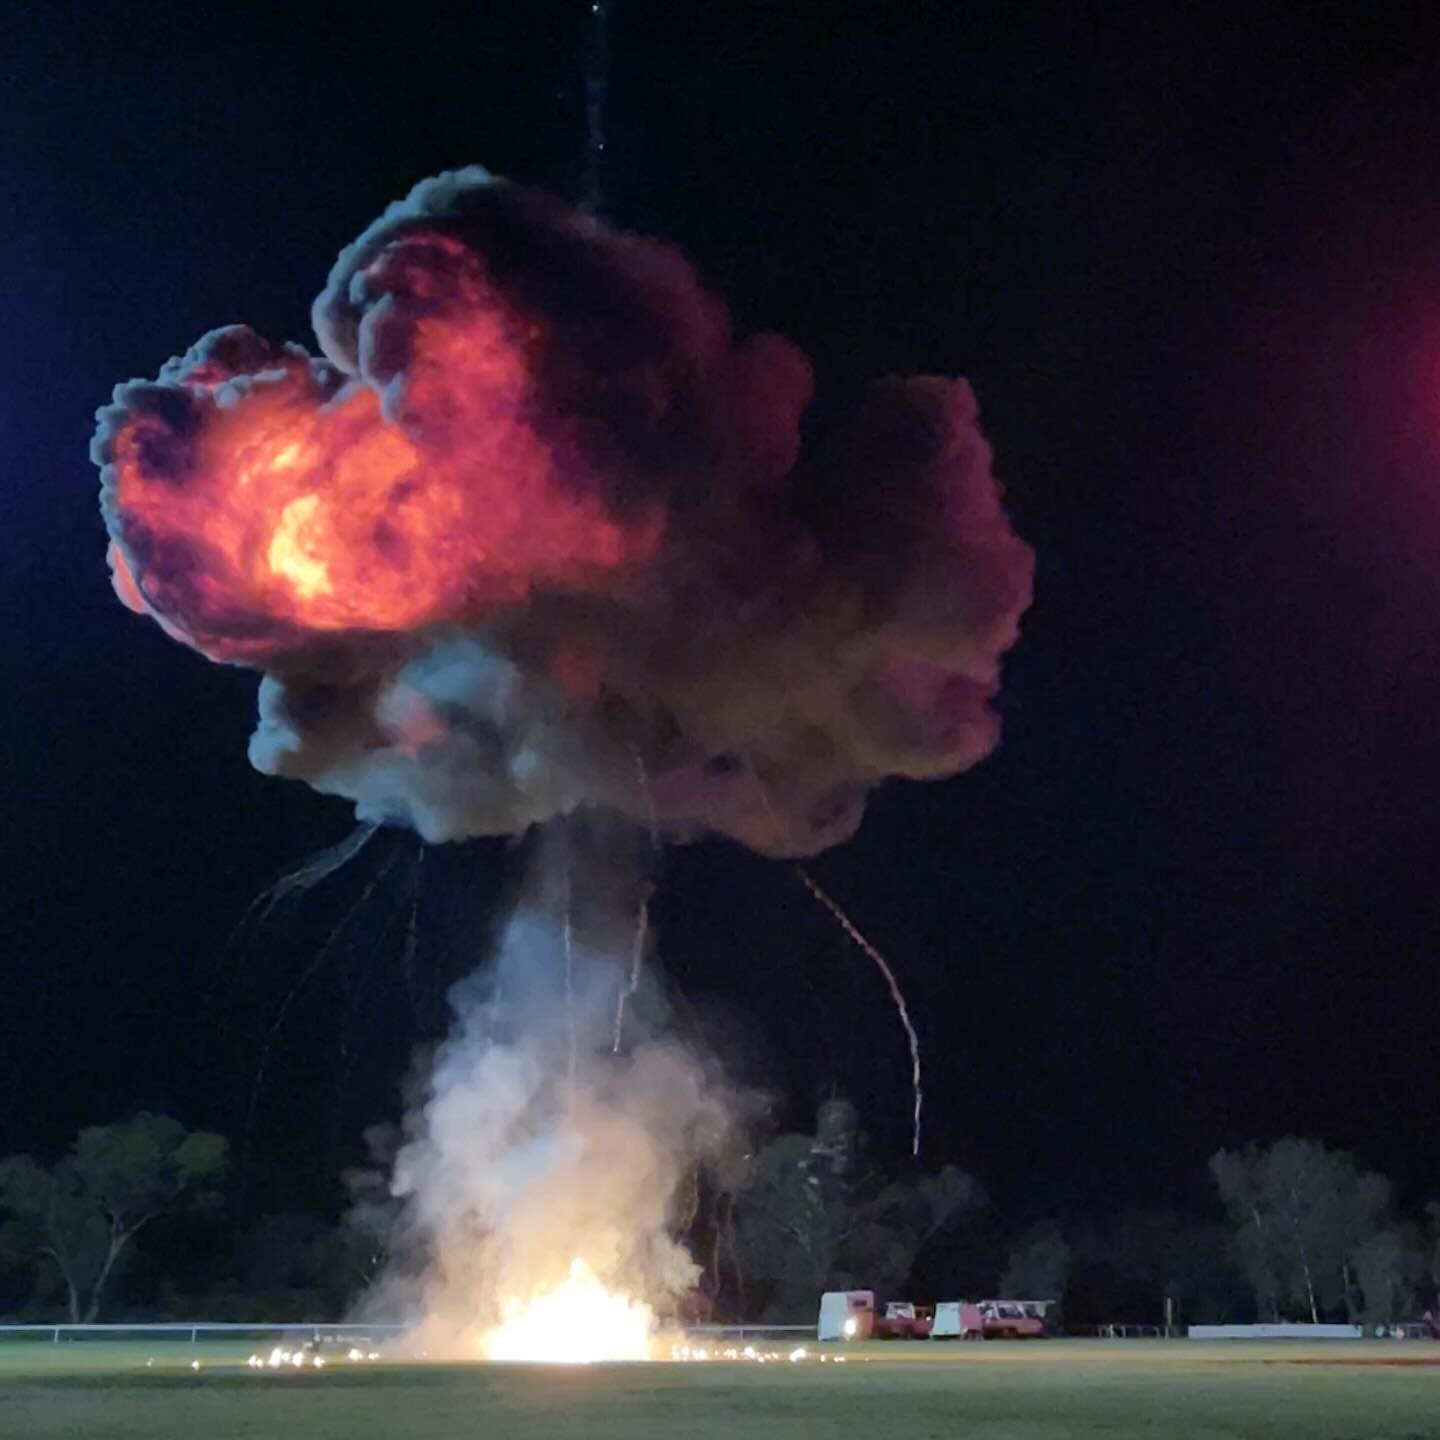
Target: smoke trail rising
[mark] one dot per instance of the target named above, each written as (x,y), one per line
(597,83)
(509,1175)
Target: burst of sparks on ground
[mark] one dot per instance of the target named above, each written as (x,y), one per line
(578,1322)
(853,931)
(282,1358)
(686,1354)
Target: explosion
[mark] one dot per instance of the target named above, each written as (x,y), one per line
(540,1178)
(531,542)
(534,533)
(576,1323)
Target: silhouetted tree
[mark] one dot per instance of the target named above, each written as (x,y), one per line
(81,1214)
(1299,1212)
(1386,1267)
(1125,1269)
(804,1224)
(1038,1264)
(1431,1245)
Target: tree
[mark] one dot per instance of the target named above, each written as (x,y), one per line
(1432,1251)
(1038,1264)
(1299,1212)
(1386,1267)
(1125,1269)
(804,1225)
(81,1214)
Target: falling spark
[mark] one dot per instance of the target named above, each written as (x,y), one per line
(642,920)
(850,928)
(310,872)
(632,982)
(344,851)
(570,979)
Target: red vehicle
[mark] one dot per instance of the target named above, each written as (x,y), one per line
(904,1321)
(1013,1319)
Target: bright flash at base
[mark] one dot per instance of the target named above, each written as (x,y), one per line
(579,1322)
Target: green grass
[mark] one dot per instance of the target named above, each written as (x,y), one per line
(1059,1390)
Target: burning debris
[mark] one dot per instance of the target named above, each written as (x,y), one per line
(309,1355)
(528,543)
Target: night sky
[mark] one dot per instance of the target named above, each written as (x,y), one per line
(1192,267)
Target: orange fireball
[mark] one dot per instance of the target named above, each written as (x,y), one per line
(285,500)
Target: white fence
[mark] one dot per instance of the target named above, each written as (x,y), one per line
(193,1331)
(748,1332)
(1119,1332)
(1281,1331)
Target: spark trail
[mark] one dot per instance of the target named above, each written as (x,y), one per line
(597,84)
(896,994)
(642,916)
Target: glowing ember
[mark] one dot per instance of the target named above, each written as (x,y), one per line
(579,1322)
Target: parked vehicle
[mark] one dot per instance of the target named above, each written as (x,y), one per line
(958,1320)
(903,1320)
(1013,1319)
(846,1315)
(852,1315)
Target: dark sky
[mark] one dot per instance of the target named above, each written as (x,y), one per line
(1192,266)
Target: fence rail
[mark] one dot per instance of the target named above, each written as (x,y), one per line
(192,1331)
(1119,1332)
(742,1332)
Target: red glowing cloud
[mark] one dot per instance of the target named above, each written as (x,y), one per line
(531,535)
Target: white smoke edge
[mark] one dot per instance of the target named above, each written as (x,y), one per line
(509,1172)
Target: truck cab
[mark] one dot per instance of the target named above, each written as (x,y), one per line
(904,1320)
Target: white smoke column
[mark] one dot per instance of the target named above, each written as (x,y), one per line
(512,1174)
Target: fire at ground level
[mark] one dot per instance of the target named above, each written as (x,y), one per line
(1066,1390)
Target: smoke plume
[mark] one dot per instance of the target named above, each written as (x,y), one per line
(533,533)
(538,1144)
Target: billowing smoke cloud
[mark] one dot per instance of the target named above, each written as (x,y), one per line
(540,1144)
(534,533)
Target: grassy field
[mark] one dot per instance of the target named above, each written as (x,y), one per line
(1042,1391)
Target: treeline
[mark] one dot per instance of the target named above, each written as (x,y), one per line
(133,1223)
(1300,1232)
